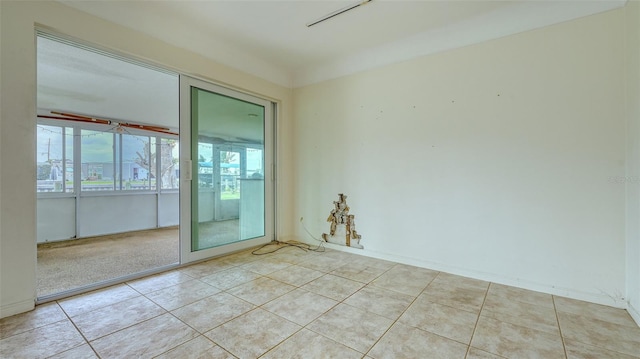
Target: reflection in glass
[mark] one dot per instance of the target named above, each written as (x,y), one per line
(228,191)
(169,163)
(97,154)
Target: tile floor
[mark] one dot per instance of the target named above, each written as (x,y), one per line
(296,304)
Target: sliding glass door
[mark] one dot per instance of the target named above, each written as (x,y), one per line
(227,190)
(107,165)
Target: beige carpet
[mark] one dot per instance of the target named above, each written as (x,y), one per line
(77,263)
(213,234)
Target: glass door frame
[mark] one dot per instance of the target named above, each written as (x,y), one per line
(189,172)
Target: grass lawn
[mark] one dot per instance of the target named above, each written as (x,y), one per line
(229,195)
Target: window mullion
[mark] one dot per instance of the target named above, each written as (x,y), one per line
(64,159)
(158,171)
(117,153)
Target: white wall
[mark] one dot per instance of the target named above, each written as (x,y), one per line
(17,126)
(56,219)
(17,153)
(632,180)
(104,214)
(168,209)
(496,161)
(206,205)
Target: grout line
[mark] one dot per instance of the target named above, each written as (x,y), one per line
(397,319)
(261,306)
(404,311)
(475,327)
(555,310)
(295,287)
(79,331)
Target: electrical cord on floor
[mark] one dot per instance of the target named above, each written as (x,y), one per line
(301,245)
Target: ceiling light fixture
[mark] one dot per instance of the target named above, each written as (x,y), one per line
(338,12)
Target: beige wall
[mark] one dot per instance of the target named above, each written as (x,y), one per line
(632,76)
(500,161)
(17,129)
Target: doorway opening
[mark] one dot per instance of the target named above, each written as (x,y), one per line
(107,167)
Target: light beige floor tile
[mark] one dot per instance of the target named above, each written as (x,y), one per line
(600,333)
(448,279)
(577,350)
(514,341)
(358,271)
(266,266)
(294,255)
(82,352)
(212,311)
(252,334)
(198,348)
(521,295)
(372,262)
(343,257)
(514,323)
(42,315)
(467,298)
(402,341)
(440,319)
(521,313)
(146,339)
(386,303)
(230,278)
(367,262)
(261,290)
(159,281)
(300,306)
(182,294)
(42,342)
(326,262)
(242,257)
(306,344)
(296,275)
(351,326)
(206,268)
(405,279)
(333,287)
(475,353)
(84,303)
(596,311)
(114,317)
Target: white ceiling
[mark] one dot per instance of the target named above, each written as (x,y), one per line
(270,39)
(78,80)
(74,80)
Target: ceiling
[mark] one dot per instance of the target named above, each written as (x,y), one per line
(80,81)
(77,80)
(226,120)
(270,39)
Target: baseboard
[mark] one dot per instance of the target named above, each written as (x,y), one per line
(634,312)
(16,308)
(489,277)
